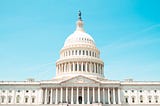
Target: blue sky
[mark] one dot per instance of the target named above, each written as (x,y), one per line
(127,32)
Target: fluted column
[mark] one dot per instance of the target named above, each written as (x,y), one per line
(51,97)
(45,101)
(82,95)
(61,95)
(72,95)
(103,96)
(56,98)
(109,102)
(98,94)
(93,95)
(114,101)
(67,95)
(119,99)
(77,95)
(88,96)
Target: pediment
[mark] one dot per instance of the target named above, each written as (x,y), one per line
(80,80)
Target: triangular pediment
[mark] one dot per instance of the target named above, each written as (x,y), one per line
(80,80)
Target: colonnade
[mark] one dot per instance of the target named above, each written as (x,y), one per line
(91,67)
(81,95)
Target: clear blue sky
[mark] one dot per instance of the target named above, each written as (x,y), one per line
(127,32)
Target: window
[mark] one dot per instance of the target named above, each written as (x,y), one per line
(79,67)
(9,99)
(75,67)
(3,91)
(10,91)
(125,91)
(133,100)
(33,99)
(18,91)
(2,99)
(132,91)
(76,52)
(17,99)
(140,91)
(26,99)
(72,52)
(83,52)
(27,91)
(156,99)
(149,99)
(87,53)
(33,91)
(141,99)
(83,67)
(126,99)
(79,52)
(155,91)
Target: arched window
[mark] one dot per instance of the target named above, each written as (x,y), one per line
(141,99)
(9,99)
(72,52)
(2,99)
(126,99)
(33,99)
(79,52)
(149,99)
(71,67)
(17,99)
(83,52)
(76,67)
(83,67)
(87,53)
(79,67)
(156,99)
(76,52)
(26,99)
(133,99)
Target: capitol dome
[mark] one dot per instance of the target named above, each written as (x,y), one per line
(79,55)
(79,36)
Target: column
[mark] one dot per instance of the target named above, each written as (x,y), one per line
(82,95)
(67,95)
(45,101)
(103,96)
(90,69)
(51,97)
(109,102)
(69,66)
(41,96)
(86,67)
(72,95)
(73,67)
(98,94)
(88,96)
(61,95)
(119,100)
(77,95)
(56,98)
(93,95)
(82,66)
(114,101)
(77,66)
(64,67)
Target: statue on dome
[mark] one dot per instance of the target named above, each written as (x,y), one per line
(79,15)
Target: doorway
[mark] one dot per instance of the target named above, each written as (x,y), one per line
(80,99)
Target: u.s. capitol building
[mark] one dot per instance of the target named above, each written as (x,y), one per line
(79,81)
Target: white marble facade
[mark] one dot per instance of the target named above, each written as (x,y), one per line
(79,81)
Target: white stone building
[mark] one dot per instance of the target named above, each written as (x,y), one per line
(79,81)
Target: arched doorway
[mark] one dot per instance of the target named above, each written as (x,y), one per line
(80,99)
